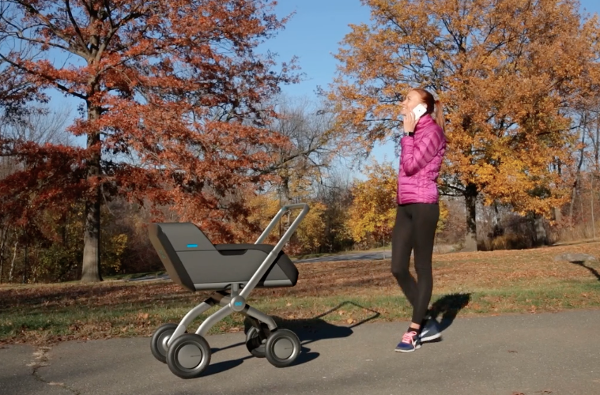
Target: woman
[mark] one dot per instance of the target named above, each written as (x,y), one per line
(423,146)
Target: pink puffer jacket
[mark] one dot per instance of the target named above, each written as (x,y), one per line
(420,162)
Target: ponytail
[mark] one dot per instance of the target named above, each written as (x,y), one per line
(438,114)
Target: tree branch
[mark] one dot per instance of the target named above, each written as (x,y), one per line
(49,79)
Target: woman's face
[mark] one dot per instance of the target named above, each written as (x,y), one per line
(410,101)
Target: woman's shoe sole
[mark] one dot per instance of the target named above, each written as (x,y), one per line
(416,348)
(430,338)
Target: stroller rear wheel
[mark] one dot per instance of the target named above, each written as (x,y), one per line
(188,356)
(256,340)
(158,343)
(282,348)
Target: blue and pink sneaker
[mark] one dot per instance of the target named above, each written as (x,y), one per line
(410,342)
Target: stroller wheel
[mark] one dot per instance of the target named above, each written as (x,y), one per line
(188,356)
(282,348)
(255,340)
(158,343)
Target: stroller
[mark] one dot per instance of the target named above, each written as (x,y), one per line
(232,271)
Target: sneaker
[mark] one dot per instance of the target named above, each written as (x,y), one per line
(410,342)
(430,331)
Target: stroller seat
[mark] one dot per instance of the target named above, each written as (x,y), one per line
(232,271)
(193,262)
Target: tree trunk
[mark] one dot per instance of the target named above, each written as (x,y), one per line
(12,264)
(2,243)
(592,205)
(471,205)
(557,214)
(576,185)
(541,237)
(597,143)
(91,238)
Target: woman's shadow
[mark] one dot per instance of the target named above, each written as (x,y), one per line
(448,307)
(308,330)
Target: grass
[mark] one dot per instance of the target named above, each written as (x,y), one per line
(341,293)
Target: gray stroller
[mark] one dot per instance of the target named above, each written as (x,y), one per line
(232,271)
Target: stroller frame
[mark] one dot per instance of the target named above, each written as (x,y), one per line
(171,344)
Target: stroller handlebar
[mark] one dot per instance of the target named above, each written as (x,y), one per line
(275,252)
(278,216)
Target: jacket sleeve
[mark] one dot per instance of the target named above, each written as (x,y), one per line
(417,156)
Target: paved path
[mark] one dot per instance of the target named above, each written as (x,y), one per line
(506,355)
(361,256)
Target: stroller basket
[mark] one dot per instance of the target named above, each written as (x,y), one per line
(233,271)
(196,264)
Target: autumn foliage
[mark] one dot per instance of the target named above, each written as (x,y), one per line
(171,105)
(373,209)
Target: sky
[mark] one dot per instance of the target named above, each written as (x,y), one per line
(313,34)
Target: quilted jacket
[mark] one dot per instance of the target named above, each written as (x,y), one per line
(420,161)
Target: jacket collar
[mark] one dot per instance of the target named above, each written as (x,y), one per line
(425,120)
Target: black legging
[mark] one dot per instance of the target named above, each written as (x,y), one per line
(415,228)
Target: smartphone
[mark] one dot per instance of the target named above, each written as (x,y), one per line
(419,110)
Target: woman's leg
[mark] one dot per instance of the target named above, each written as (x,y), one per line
(402,244)
(426,217)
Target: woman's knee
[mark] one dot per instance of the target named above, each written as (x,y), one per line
(400,273)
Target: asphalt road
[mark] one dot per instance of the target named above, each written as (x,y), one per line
(520,354)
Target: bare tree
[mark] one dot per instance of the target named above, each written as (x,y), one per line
(313,146)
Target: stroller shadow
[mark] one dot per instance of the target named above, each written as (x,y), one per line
(308,330)
(448,307)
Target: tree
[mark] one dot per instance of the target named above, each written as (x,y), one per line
(336,194)
(507,101)
(302,163)
(170,94)
(373,209)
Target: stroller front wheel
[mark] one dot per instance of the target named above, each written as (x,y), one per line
(188,356)
(282,348)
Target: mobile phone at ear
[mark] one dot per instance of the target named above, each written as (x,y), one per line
(419,110)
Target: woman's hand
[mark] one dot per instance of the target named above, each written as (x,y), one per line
(409,122)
